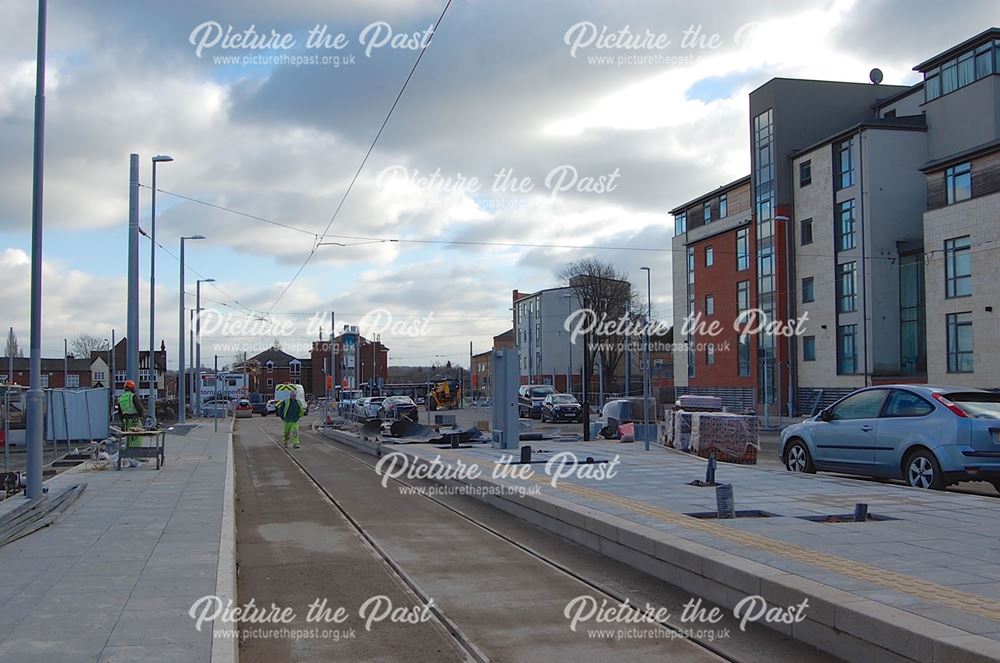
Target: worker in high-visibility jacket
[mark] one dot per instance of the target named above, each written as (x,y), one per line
(290,410)
(132,412)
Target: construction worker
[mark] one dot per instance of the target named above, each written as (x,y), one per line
(290,410)
(132,412)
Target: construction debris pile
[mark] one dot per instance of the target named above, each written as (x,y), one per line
(698,425)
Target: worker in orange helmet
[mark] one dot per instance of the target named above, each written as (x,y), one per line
(132,412)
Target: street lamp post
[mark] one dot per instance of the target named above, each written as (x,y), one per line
(151,362)
(181,374)
(646,386)
(197,336)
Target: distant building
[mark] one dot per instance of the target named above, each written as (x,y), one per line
(54,373)
(360,363)
(100,370)
(274,366)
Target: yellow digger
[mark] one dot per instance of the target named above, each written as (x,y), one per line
(444,395)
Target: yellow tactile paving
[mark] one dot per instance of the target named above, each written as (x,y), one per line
(929,591)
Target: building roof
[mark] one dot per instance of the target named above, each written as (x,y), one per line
(274,355)
(887,101)
(984,148)
(49,365)
(904,123)
(983,37)
(711,194)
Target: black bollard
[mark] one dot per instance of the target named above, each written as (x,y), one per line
(860,512)
(710,470)
(526,453)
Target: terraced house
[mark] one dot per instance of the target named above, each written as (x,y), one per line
(872,209)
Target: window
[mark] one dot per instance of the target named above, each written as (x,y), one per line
(709,256)
(709,305)
(680,224)
(959,342)
(806,231)
(119,377)
(98,376)
(73,380)
(690,353)
(949,76)
(742,249)
(847,351)
(906,404)
(743,356)
(270,367)
(958,182)
(846,163)
(808,292)
(845,226)
(958,267)
(847,287)
(805,173)
(45,380)
(984,61)
(710,354)
(707,213)
(808,348)
(690,258)
(862,405)
(966,69)
(932,84)
(723,206)
(743,296)
(295,368)
(270,383)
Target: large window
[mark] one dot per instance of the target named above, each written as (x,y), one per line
(967,68)
(742,296)
(707,213)
(912,346)
(847,349)
(808,291)
(723,206)
(845,225)
(709,256)
(959,342)
(680,224)
(806,231)
(958,267)
(958,182)
(710,354)
(847,287)
(743,355)
(73,380)
(709,305)
(808,348)
(690,260)
(742,249)
(845,161)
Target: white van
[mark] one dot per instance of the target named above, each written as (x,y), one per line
(284,391)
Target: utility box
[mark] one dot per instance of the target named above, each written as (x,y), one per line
(506,432)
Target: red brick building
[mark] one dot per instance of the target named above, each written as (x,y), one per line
(360,363)
(54,375)
(275,366)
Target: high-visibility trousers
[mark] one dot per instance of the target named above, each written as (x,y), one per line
(291,433)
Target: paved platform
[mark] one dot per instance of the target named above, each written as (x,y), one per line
(923,586)
(114,579)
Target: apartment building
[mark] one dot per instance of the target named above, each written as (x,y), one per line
(545,353)
(868,205)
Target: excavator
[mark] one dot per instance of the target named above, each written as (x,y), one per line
(444,395)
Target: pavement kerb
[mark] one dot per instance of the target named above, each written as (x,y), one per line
(838,622)
(224,649)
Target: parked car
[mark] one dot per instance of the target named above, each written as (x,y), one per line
(929,436)
(368,407)
(244,409)
(216,407)
(530,397)
(348,399)
(259,404)
(271,407)
(399,407)
(561,407)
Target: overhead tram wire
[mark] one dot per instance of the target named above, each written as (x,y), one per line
(361,166)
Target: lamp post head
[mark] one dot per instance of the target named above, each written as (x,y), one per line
(645,268)
(193,237)
(159,158)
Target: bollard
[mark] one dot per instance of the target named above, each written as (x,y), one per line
(590,460)
(725,501)
(710,470)
(454,441)
(860,512)
(526,453)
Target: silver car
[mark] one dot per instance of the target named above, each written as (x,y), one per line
(929,436)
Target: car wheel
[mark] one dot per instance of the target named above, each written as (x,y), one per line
(923,470)
(797,458)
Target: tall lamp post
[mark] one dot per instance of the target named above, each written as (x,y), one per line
(181,374)
(646,386)
(197,337)
(151,362)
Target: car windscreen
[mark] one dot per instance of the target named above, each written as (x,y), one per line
(976,405)
(563,399)
(541,392)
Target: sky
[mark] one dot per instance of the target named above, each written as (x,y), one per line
(535,133)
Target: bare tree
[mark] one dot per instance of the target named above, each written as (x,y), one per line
(12,349)
(83,344)
(608,294)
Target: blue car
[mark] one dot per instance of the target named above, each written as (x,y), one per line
(928,436)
